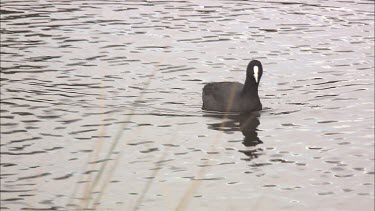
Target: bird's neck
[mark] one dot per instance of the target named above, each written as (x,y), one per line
(250,88)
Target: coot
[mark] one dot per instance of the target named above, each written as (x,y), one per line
(234,96)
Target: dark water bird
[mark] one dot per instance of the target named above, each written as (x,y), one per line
(234,96)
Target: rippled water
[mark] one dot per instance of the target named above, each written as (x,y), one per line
(101,103)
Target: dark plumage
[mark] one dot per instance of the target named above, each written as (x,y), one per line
(234,96)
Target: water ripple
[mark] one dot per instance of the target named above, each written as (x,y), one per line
(96,93)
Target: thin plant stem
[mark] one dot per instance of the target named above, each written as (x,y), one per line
(193,187)
(118,136)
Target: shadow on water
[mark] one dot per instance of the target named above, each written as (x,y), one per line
(247,123)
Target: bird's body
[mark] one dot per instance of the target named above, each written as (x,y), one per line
(234,96)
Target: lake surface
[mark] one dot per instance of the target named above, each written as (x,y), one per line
(101,105)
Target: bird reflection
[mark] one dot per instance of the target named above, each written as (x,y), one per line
(247,123)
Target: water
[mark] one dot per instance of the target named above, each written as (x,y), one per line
(101,105)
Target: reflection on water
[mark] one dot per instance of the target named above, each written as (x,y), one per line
(247,123)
